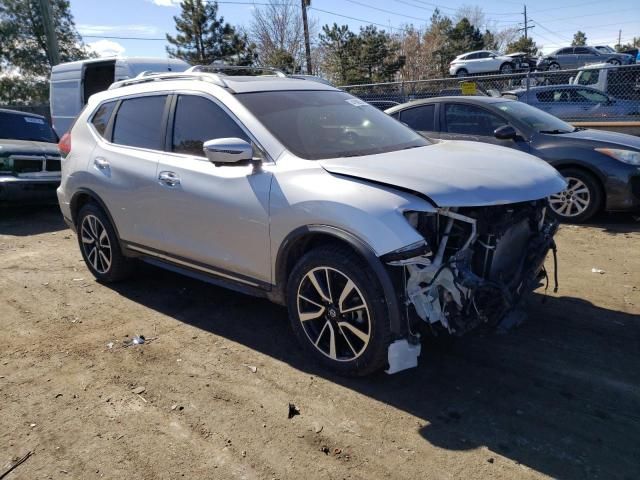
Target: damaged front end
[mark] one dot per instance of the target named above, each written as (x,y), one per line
(475,264)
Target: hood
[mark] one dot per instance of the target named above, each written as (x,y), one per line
(611,139)
(457,174)
(27,147)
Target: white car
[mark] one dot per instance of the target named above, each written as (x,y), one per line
(482,61)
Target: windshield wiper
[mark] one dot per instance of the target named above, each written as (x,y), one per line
(555,132)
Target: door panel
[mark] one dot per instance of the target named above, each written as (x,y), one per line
(216,215)
(124,171)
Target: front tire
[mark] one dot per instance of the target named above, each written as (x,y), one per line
(99,245)
(614,61)
(506,69)
(554,67)
(580,201)
(338,312)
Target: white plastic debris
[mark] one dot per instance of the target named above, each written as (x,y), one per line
(597,270)
(402,355)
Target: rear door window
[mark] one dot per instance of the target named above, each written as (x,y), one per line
(419,118)
(471,120)
(198,119)
(100,119)
(139,122)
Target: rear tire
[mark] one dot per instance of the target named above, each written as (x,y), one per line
(582,199)
(338,312)
(462,73)
(100,246)
(553,67)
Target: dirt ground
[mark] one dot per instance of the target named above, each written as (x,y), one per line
(558,397)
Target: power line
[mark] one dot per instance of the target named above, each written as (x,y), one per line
(124,38)
(359,19)
(387,11)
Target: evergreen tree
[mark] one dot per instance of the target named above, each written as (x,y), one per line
(204,38)
(523,44)
(340,47)
(23,42)
(579,39)
(378,54)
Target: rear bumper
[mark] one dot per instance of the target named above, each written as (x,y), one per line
(28,190)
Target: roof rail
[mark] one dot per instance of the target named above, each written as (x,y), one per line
(221,69)
(146,76)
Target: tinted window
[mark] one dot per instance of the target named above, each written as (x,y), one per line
(328,124)
(25,127)
(471,120)
(198,120)
(101,118)
(138,122)
(590,96)
(419,118)
(484,54)
(581,50)
(471,56)
(565,51)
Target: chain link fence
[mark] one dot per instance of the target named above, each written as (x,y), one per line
(597,92)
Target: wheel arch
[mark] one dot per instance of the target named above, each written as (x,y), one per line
(598,177)
(83,196)
(303,239)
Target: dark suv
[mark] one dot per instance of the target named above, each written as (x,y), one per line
(29,158)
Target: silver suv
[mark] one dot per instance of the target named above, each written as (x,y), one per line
(299,192)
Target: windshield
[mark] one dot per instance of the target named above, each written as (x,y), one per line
(535,119)
(605,49)
(316,125)
(25,127)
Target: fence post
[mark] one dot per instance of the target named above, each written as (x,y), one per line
(528,82)
(402,96)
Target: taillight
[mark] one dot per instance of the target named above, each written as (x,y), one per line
(65,144)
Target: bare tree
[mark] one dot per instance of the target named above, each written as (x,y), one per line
(474,14)
(277,31)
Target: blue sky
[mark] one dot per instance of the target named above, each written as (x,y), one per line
(555,21)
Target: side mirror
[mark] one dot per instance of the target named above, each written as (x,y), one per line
(505,132)
(228,150)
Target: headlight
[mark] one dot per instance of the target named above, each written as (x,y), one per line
(626,156)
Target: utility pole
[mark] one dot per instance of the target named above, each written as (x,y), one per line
(526,26)
(307,45)
(50,32)
(620,37)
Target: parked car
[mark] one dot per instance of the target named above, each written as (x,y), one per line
(575,57)
(575,102)
(523,61)
(301,193)
(72,83)
(621,82)
(29,158)
(601,167)
(482,61)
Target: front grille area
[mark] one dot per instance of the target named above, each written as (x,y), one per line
(28,165)
(53,165)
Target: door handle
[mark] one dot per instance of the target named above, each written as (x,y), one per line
(170,179)
(101,163)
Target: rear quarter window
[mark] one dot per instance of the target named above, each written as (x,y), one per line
(419,118)
(101,117)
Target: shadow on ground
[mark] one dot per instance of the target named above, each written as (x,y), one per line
(23,221)
(560,395)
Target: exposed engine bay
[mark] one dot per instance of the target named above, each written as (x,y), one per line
(476,264)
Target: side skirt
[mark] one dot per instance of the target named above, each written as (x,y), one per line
(198,271)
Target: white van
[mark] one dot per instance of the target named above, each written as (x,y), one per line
(73,83)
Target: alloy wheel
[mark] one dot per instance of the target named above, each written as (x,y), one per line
(96,244)
(334,314)
(554,66)
(573,201)
(506,69)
